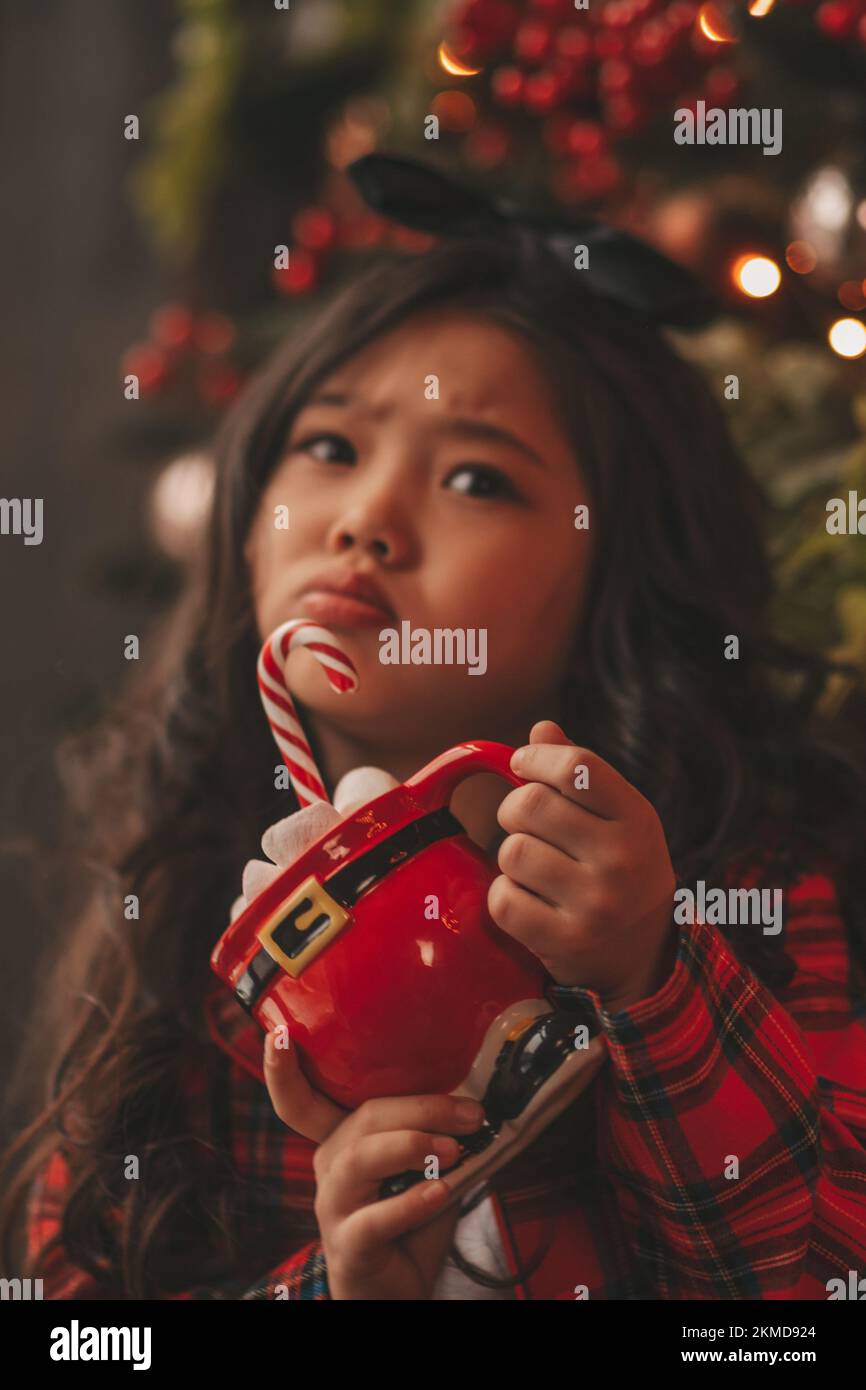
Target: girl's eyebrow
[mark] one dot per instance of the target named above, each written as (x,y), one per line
(454,425)
(485,430)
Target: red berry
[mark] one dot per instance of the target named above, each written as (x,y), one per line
(837,19)
(652,44)
(622,115)
(365,230)
(721,83)
(508,85)
(491,23)
(608,44)
(171,326)
(213,333)
(543,93)
(533,42)
(573,44)
(147,363)
(617,14)
(599,176)
(615,75)
(218,383)
(300,275)
(315,228)
(554,9)
(681,15)
(585,138)
(487,146)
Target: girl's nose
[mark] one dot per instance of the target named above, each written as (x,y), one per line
(378,545)
(374,532)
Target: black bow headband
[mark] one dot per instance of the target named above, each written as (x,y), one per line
(621,266)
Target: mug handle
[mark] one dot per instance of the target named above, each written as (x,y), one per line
(434,784)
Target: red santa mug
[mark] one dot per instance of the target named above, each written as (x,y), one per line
(377,952)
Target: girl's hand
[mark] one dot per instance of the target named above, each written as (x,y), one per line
(587,882)
(391,1249)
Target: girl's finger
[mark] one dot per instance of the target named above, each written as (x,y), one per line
(296,1102)
(540,867)
(523,916)
(356,1172)
(434,1114)
(537,809)
(380,1223)
(577,773)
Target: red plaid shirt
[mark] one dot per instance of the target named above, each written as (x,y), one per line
(635,1188)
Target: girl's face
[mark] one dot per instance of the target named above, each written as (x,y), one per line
(433,465)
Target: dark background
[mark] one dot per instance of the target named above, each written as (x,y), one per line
(79,279)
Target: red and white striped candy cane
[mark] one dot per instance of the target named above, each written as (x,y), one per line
(280,707)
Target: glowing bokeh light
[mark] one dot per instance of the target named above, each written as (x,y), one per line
(847,337)
(801,257)
(452,64)
(757,276)
(180,503)
(850,295)
(714,26)
(456,111)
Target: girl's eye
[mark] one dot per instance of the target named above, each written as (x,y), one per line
(480,480)
(330,448)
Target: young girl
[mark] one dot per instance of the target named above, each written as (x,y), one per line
(721,1150)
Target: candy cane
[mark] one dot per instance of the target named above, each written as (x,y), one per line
(280,707)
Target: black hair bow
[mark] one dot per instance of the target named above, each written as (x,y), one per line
(621,266)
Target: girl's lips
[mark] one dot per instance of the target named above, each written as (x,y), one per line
(341,610)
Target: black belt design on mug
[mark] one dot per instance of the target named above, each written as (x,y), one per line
(292,938)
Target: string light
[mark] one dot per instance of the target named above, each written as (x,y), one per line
(452,64)
(714,25)
(756,276)
(847,337)
(759,8)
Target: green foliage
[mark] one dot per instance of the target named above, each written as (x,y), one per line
(245,75)
(804,438)
(187,153)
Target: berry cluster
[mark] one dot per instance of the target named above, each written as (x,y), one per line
(317,232)
(184,347)
(591,76)
(620,60)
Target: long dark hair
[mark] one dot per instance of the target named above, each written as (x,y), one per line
(174,787)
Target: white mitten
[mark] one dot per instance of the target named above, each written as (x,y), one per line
(286,840)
